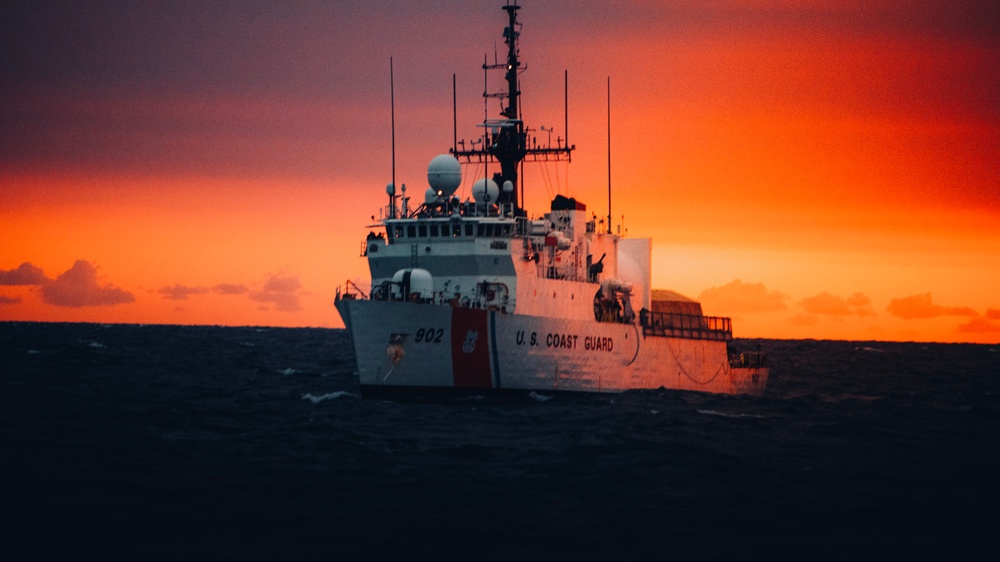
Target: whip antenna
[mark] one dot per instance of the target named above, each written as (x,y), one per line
(391,188)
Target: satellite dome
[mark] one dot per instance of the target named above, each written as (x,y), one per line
(484,188)
(390,189)
(444,174)
(508,186)
(430,196)
(413,283)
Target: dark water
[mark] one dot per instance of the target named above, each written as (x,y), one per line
(169,443)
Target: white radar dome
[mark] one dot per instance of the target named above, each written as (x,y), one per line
(508,186)
(444,174)
(416,283)
(430,195)
(484,188)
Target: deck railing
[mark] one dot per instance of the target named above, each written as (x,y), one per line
(689,326)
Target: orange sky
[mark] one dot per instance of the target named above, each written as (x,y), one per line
(811,169)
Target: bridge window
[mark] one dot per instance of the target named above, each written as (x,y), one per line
(411,231)
(469,230)
(422,230)
(434,230)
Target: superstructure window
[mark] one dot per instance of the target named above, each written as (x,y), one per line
(411,231)
(422,230)
(470,229)
(434,230)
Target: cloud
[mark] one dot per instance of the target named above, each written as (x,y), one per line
(79,287)
(281,290)
(803,320)
(181,292)
(920,307)
(9,300)
(25,274)
(993,314)
(230,289)
(861,304)
(738,296)
(979,326)
(825,303)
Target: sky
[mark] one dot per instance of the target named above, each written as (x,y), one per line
(812,169)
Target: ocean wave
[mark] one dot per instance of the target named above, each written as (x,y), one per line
(729,415)
(328,396)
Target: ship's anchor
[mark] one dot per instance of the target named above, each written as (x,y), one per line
(394,353)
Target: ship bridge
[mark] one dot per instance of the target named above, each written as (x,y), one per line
(480,254)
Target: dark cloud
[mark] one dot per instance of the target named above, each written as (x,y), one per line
(181,292)
(9,300)
(79,287)
(281,290)
(25,274)
(921,306)
(737,297)
(230,289)
(993,314)
(153,86)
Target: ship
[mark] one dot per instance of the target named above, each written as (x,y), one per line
(479,296)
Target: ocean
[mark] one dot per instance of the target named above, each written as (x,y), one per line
(129,442)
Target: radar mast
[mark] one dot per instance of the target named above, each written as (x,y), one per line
(505,140)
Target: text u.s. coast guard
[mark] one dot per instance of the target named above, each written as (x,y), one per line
(566,341)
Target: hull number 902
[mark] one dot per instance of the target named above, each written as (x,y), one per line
(429,335)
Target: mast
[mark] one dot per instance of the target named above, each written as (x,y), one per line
(392,101)
(510,35)
(506,137)
(609,155)
(509,143)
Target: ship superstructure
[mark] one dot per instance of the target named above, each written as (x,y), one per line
(476,294)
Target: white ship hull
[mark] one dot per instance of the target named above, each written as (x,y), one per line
(402,346)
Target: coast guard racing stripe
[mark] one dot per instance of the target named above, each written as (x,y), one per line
(470,353)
